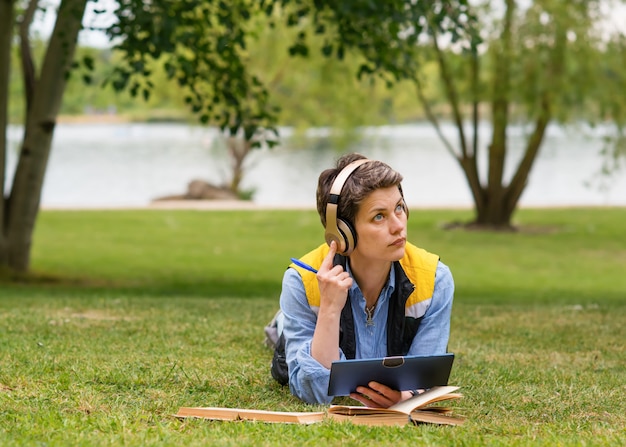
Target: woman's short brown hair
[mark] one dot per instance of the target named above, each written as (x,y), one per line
(366,178)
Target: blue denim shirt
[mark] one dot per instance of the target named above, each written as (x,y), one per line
(308,379)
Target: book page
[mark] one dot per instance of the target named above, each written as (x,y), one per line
(376,419)
(419,400)
(362,411)
(236,414)
(433,417)
(405,407)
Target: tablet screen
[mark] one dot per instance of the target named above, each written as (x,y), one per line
(400,373)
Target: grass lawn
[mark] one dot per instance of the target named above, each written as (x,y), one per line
(136,313)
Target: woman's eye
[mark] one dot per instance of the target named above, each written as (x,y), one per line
(378,217)
(399,208)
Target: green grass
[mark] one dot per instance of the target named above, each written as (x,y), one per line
(136,313)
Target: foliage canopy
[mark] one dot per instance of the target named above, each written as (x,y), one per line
(204,47)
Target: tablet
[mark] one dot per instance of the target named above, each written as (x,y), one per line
(400,373)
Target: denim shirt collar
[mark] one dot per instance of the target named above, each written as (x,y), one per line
(387,290)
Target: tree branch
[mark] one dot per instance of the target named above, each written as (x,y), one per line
(451,93)
(467,157)
(518,182)
(430,115)
(28,65)
(500,105)
(475,80)
(467,162)
(477,189)
(554,75)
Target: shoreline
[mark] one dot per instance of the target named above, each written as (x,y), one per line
(242,205)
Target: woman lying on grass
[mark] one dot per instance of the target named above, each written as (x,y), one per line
(374,293)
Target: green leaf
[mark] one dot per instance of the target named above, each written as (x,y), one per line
(88,62)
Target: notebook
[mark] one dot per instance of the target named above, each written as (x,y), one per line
(400,373)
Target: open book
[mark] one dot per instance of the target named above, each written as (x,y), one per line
(414,410)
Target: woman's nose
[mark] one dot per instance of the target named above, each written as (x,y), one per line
(398,222)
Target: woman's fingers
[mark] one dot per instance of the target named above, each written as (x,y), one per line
(377,395)
(327,263)
(333,281)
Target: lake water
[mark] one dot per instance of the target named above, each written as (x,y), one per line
(129,165)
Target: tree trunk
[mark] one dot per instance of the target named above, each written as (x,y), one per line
(7,11)
(493,213)
(238,150)
(25,197)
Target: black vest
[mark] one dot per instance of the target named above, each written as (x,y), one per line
(401,330)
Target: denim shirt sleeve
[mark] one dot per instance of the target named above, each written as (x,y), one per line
(434,330)
(308,379)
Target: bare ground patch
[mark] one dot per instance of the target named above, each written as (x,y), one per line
(524,229)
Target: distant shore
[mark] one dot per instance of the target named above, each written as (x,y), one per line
(235,205)
(115,118)
(103,118)
(183,205)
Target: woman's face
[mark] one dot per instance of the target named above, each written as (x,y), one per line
(380,225)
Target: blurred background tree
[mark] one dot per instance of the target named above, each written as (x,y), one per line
(203,46)
(535,63)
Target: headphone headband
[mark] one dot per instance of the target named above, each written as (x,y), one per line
(337,229)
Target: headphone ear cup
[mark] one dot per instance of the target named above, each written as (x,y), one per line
(336,235)
(348,235)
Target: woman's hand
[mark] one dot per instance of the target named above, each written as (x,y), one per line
(377,395)
(334,283)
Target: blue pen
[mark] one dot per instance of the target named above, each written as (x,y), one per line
(299,263)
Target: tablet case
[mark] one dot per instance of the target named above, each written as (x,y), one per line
(400,373)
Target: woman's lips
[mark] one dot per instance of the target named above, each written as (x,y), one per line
(399,242)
